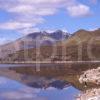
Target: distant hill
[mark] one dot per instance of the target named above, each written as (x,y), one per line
(82,45)
(85,44)
(33,40)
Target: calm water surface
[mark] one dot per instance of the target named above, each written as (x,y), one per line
(12,90)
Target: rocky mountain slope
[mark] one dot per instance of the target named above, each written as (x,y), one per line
(33,40)
(82,45)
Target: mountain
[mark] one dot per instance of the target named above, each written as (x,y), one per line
(57,35)
(33,40)
(82,45)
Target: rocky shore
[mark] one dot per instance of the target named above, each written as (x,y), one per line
(92,94)
(90,76)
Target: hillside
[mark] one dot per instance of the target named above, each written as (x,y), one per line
(82,45)
(32,40)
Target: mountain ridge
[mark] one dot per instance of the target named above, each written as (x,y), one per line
(79,40)
(31,40)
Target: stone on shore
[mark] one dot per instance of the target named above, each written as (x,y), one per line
(92,94)
(91,76)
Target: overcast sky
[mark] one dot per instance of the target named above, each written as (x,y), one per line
(21,17)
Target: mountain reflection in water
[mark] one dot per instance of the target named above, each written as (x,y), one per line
(50,83)
(12,90)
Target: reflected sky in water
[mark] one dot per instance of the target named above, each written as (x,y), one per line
(12,90)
